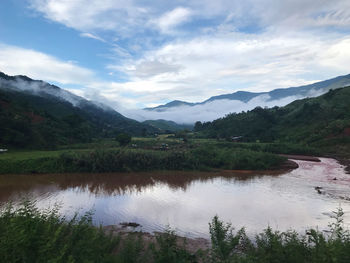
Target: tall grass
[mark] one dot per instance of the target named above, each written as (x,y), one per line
(120,160)
(30,235)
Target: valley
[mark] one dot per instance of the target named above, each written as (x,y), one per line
(282,167)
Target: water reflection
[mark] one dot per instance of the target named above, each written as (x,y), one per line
(188,200)
(116,183)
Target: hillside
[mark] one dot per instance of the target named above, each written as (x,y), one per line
(168,126)
(310,121)
(36,114)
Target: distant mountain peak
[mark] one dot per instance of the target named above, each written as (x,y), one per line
(174,103)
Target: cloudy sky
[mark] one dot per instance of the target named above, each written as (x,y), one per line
(137,53)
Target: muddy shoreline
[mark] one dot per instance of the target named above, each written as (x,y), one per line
(343,161)
(191,244)
(301,157)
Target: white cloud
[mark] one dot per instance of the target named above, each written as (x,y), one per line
(95,14)
(172,19)
(128,15)
(196,69)
(89,35)
(19,61)
(208,111)
(337,55)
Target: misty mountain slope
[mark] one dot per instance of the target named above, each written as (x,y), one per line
(218,106)
(168,126)
(37,114)
(174,103)
(307,120)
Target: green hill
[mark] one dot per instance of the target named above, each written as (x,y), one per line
(168,126)
(309,121)
(36,114)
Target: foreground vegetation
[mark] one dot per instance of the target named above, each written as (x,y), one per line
(30,235)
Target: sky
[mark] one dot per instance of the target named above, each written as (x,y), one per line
(133,54)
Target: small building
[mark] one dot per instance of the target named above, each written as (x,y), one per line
(236,138)
(3,150)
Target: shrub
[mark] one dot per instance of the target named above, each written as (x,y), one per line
(123,139)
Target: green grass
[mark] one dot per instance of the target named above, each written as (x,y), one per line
(178,156)
(28,155)
(148,154)
(30,235)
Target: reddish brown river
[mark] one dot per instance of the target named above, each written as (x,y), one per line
(187,201)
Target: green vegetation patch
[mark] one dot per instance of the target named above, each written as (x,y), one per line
(30,235)
(203,157)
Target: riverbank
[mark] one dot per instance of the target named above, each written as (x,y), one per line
(301,157)
(45,236)
(343,161)
(191,244)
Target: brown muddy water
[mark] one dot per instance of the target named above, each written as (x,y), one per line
(187,201)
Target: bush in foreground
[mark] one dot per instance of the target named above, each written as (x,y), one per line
(30,235)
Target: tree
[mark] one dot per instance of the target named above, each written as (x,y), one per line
(123,139)
(198,126)
(144,132)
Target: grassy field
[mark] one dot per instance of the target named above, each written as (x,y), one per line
(146,154)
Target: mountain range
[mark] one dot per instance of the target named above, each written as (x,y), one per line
(311,90)
(34,113)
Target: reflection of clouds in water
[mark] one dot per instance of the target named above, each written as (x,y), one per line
(254,206)
(188,201)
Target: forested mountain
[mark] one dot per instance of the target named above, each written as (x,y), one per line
(36,114)
(307,121)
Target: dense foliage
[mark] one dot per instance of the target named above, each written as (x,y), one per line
(168,126)
(30,235)
(173,155)
(202,157)
(303,121)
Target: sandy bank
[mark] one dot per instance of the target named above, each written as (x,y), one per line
(301,157)
(191,244)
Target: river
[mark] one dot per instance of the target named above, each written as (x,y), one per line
(187,201)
